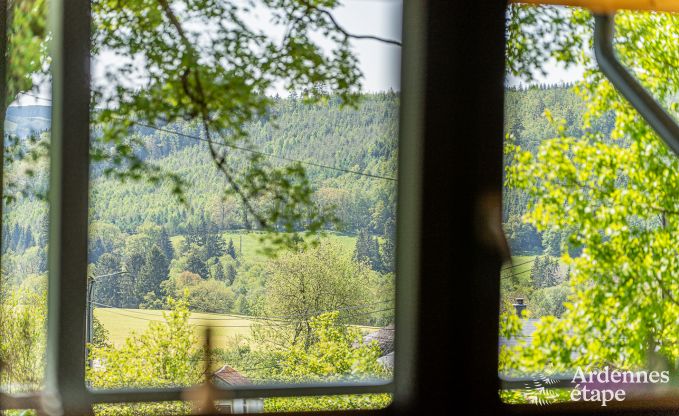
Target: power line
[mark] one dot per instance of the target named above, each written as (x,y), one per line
(260,153)
(518,274)
(279,324)
(245,149)
(252,318)
(120,312)
(517,265)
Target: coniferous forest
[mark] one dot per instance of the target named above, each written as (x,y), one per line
(166,245)
(163,265)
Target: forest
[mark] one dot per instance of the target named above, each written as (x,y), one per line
(592,189)
(142,228)
(537,274)
(151,250)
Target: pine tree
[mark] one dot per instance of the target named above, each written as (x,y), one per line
(231,273)
(42,260)
(367,250)
(106,289)
(195,264)
(6,238)
(215,244)
(546,272)
(15,238)
(133,264)
(28,240)
(43,231)
(95,251)
(126,291)
(537,272)
(166,245)
(152,273)
(387,254)
(231,249)
(241,305)
(219,272)
(361,249)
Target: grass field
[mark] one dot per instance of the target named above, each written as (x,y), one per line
(248,243)
(520,264)
(520,268)
(121,323)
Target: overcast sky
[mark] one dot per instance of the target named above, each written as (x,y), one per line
(556,74)
(379,62)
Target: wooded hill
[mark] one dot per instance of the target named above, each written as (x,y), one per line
(362,139)
(350,155)
(527,124)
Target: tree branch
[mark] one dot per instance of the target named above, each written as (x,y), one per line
(200,100)
(344,31)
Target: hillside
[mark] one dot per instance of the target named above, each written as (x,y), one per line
(527,125)
(166,247)
(361,139)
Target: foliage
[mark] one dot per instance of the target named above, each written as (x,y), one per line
(368,250)
(100,335)
(546,272)
(110,286)
(211,296)
(333,356)
(219,82)
(152,273)
(323,403)
(162,356)
(549,301)
(306,283)
(618,196)
(23,314)
(538,34)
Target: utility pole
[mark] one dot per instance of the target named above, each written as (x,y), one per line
(91,280)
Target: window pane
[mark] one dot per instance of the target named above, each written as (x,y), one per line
(243,181)
(23,282)
(589,213)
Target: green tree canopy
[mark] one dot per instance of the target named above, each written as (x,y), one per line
(618,197)
(219,81)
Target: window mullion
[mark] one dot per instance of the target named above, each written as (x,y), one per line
(68,197)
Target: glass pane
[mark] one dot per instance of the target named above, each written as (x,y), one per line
(23,281)
(589,213)
(244,180)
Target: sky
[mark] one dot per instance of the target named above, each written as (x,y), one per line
(556,73)
(379,62)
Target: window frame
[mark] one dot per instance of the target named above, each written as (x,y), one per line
(667,129)
(65,389)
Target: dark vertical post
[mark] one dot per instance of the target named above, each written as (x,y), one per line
(68,197)
(460,236)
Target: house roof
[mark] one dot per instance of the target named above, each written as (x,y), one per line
(231,377)
(387,360)
(384,337)
(527,329)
